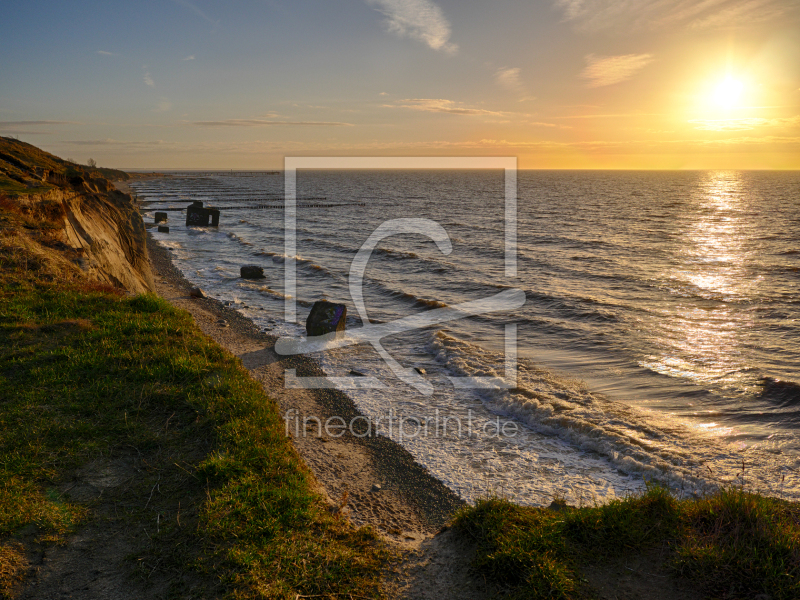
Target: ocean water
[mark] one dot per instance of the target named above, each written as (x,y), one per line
(659,339)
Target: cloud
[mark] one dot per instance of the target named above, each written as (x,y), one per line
(190,57)
(607,70)
(421,20)
(743,124)
(609,116)
(543,124)
(195,10)
(265,123)
(508,77)
(106,53)
(595,15)
(148,80)
(442,106)
(105,142)
(132,145)
(35,123)
(163,105)
(21,127)
(257,148)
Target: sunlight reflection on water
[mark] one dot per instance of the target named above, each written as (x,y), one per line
(702,343)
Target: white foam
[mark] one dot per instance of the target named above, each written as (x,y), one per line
(639,442)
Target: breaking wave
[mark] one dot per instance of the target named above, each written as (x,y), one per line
(632,439)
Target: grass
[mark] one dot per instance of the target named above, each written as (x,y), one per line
(19,162)
(15,188)
(89,379)
(733,544)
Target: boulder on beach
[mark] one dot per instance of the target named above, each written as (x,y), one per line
(161,217)
(251,272)
(197,293)
(326,317)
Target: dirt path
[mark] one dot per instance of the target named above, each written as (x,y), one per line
(93,564)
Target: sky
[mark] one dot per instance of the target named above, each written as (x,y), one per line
(560,84)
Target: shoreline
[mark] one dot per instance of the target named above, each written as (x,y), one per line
(411,504)
(204,466)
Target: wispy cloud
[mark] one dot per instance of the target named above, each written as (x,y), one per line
(105,142)
(265,123)
(442,106)
(23,127)
(35,123)
(544,124)
(508,77)
(113,142)
(703,14)
(607,70)
(106,53)
(609,115)
(190,57)
(744,124)
(163,105)
(421,20)
(258,148)
(195,10)
(148,80)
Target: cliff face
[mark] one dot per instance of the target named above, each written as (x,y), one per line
(108,233)
(92,225)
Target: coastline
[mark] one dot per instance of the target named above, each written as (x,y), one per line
(641,546)
(412,509)
(411,504)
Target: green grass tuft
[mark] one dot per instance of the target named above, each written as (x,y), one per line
(732,544)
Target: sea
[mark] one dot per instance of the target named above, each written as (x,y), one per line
(658,341)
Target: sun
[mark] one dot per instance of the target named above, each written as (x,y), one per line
(728,92)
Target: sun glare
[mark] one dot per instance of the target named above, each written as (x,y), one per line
(728,92)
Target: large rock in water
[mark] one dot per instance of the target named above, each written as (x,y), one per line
(251,272)
(161,217)
(198,216)
(326,317)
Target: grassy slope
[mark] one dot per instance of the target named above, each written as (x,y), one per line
(733,544)
(18,160)
(88,375)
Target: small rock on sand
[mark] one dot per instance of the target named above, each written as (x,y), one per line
(197,293)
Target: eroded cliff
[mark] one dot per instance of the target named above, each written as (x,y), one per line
(74,215)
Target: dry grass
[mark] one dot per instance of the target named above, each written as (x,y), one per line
(13,565)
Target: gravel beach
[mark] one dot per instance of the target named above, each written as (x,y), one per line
(410,504)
